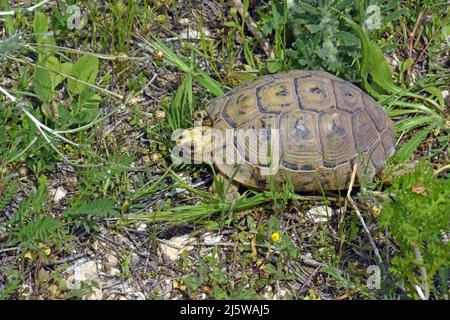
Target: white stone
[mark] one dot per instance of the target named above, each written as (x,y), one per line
(281,294)
(112,260)
(445,236)
(141,227)
(115,272)
(175,246)
(135,258)
(211,238)
(58,194)
(190,34)
(319,214)
(268,294)
(84,270)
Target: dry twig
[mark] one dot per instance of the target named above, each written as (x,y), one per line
(360,217)
(252,27)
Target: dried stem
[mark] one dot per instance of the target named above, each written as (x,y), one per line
(423,274)
(251,25)
(360,217)
(29,9)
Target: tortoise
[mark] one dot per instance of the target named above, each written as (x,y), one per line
(325,125)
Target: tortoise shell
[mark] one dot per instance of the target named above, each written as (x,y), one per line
(326,125)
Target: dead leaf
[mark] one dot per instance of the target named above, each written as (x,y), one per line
(419,188)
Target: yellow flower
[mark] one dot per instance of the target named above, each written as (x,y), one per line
(45,249)
(376,211)
(275,236)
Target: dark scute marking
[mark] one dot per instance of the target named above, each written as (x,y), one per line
(230,121)
(262,182)
(337,130)
(355,111)
(329,164)
(308,75)
(260,107)
(346,93)
(265,110)
(319,91)
(300,130)
(263,123)
(354,161)
(242,96)
(333,163)
(307,167)
(290,165)
(297,92)
(283,92)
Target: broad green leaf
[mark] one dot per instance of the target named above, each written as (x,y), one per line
(8,20)
(437,93)
(64,69)
(43,84)
(87,107)
(405,65)
(45,79)
(52,64)
(418,121)
(209,83)
(373,63)
(40,27)
(236,78)
(85,69)
(274,65)
(408,148)
(231,24)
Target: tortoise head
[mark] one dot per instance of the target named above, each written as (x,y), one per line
(195,142)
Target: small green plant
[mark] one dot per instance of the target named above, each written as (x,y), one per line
(239,25)
(417,217)
(212,276)
(428,110)
(12,284)
(281,196)
(323,40)
(91,213)
(35,233)
(273,22)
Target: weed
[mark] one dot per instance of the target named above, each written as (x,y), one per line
(274,21)
(417,218)
(37,234)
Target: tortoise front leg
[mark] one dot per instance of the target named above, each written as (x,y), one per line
(225,187)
